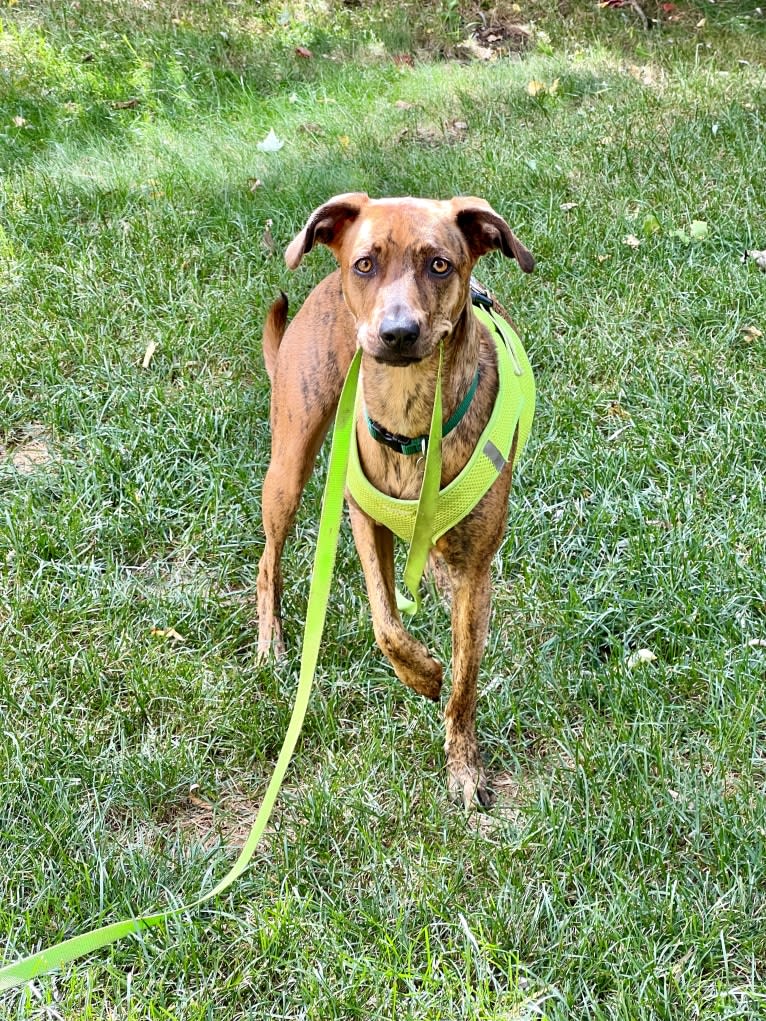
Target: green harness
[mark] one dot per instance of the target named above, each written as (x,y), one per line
(514,407)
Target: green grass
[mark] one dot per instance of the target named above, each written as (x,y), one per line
(622,874)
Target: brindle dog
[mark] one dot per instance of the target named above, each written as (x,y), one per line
(403,286)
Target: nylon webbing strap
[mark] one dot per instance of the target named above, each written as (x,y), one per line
(420,546)
(324,560)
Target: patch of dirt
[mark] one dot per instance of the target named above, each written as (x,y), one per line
(28,449)
(503,36)
(512,792)
(226,822)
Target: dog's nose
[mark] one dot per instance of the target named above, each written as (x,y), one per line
(399,332)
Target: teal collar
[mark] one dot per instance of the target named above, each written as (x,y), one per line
(419,444)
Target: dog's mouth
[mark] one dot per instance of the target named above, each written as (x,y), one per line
(396,359)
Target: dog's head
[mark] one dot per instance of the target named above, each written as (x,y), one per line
(406,265)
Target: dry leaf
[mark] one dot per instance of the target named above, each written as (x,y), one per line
(639,657)
(631,241)
(603,258)
(566,206)
(167,632)
(535,88)
(271,143)
(125,104)
(303,51)
(470,49)
(267,240)
(758,257)
(615,410)
(151,347)
(344,140)
(254,183)
(19,122)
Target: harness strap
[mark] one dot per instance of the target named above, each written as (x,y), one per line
(512,413)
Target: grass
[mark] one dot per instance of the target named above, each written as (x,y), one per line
(623,873)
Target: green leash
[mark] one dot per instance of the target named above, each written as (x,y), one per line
(324,561)
(31,967)
(420,546)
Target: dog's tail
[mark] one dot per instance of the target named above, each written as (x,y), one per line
(273,331)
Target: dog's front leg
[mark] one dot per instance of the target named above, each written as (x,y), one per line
(470,621)
(412,663)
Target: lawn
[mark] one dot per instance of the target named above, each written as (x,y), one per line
(622,872)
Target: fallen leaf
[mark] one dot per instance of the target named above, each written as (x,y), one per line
(254,183)
(702,22)
(344,140)
(151,347)
(758,257)
(19,122)
(553,88)
(470,49)
(681,235)
(303,51)
(267,240)
(403,60)
(615,410)
(651,225)
(167,632)
(402,104)
(699,230)
(535,88)
(603,258)
(125,104)
(752,332)
(271,143)
(631,241)
(565,207)
(639,657)
(459,126)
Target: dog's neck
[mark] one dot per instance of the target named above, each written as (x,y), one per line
(401,399)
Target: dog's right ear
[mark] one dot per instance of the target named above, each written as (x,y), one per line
(325,226)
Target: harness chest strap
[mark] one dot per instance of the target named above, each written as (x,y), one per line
(514,406)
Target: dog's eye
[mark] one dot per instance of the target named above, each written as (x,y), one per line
(440,267)
(364,266)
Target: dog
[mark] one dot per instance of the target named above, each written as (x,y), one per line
(402,290)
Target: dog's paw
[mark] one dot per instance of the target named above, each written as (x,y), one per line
(468,783)
(426,678)
(271,644)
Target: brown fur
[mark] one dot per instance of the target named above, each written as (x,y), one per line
(402,240)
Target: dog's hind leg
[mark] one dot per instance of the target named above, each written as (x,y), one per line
(412,663)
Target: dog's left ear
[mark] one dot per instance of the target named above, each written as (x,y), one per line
(485,231)
(325,226)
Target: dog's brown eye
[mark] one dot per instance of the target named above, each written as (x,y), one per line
(364,266)
(440,267)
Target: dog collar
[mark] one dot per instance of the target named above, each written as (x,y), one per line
(419,444)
